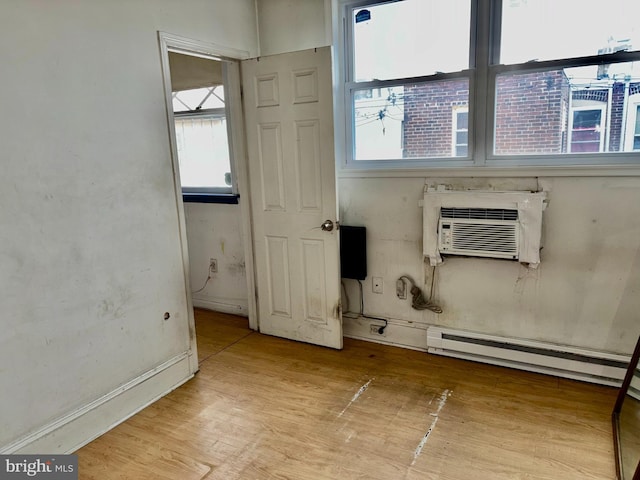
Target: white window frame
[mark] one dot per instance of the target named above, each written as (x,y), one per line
(231,58)
(603,120)
(484,51)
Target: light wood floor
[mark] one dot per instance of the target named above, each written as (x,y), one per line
(267,408)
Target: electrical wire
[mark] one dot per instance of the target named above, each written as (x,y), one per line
(203,286)
(381,328)
(346,297)
(367,122)
(418,301)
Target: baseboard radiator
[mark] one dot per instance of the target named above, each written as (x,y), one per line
(561,361)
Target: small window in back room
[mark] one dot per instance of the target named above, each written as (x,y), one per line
(200,113)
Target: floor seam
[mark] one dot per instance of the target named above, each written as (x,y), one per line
(225,348)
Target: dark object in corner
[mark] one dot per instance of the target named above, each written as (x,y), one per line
(353,252)
(626,422)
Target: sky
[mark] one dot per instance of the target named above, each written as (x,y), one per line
(437,33)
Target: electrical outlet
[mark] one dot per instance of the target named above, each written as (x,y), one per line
(401,289)
(375,330)
(213,265)
(377,285)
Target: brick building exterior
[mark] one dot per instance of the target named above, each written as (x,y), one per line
(428,117)
(531,113)
(534,113)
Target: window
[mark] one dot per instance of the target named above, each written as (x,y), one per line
(203,150)
(475,83)
(197,99)
(636,131)
(460,142)
(586,130)
(633,123)
(202,130)
(202,139)
(388,38)
(379,121)
(404,118)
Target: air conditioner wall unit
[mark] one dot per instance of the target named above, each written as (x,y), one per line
(483,223)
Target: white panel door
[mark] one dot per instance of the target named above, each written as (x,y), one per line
(289,115)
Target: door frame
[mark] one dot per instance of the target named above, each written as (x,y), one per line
(239,166)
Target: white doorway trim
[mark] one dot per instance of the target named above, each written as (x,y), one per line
(169,42)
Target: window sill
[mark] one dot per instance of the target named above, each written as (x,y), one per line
(223,198)
(496,171)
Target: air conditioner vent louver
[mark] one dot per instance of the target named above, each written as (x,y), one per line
(479,232)
(483,237)
(479,213)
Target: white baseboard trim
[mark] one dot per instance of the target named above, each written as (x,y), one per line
(534,356)
(70,432)
(223,305)
(398,333)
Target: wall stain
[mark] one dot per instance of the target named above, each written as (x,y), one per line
(114,308)
(237,268)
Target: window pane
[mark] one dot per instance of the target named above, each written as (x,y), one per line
(203,151)
(586,119)
(410,38)
(570,110)
(215,100)
(463,120)
(636,133)
(555,29)
(585,131)
(409,121)
(198,98)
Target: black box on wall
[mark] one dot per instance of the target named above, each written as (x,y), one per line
(353,252)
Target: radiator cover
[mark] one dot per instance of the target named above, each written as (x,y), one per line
(557,360)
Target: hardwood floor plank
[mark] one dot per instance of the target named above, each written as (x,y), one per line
(266,408)
(216,331)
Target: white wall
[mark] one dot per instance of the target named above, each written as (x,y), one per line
(90,255)
(214,231)
(585,293)
(292,25)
